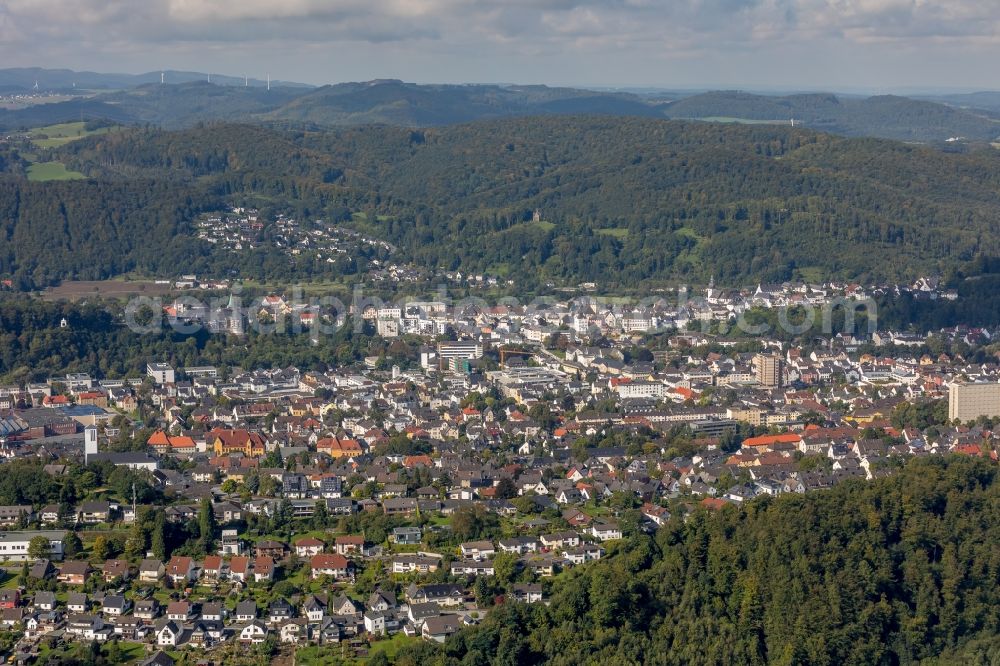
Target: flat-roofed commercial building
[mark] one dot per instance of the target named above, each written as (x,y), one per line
(14,545)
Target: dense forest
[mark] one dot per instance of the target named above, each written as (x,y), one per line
(625,202)
(94,229)
(902,570)
(622,201)
(34,346)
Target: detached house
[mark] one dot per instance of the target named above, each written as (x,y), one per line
(180,569)
(179,611)
(263,569)
(74,573)
(115,605)
(168,634)
(91,513)
(349,545)
(440,594)
(253,633)
(519,545)
(528,593)
(606,531)
(314,608)
(115,569)
(239,568)
(151,570)
(478,550)
(147,609)
(309,546)
(441,627)
(44,601)
(77,602)
(246,611)
(211,568)
(88,628)
(326,564)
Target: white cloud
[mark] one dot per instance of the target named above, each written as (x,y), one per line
(493,31)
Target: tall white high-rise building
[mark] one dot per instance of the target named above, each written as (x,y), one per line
(89,443)
(969,401)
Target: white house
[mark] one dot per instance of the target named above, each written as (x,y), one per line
(253,633)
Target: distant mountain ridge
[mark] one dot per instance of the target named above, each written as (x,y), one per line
(187,98)
(398,103)
(388,102)
(885,116)
(25,78)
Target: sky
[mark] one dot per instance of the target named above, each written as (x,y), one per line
(750,44)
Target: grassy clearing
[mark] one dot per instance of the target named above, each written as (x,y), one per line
(687,232)
(113,288)
(811,273)
(43,171)
(63,133)
(391,646)
(127,652)
(324,655)
(742,121)
(541,225)
(620,234)
(316,655)
(499,269)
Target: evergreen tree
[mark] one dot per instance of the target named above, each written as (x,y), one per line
(320,516)
(72,546)
(206,526)
(158,540)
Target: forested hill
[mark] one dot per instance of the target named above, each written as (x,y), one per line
(904,570)
(175,106)
(411,105)
(184,101)
(886,116)
(623,201)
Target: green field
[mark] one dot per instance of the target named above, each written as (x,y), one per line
(614,232)
(121,652)
(810,273)
(316,655)
(390,646)
(41,171)
(741,121)
(63,133)
(544,225)
(688,232)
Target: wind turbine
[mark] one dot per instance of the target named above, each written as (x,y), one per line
(161,77)
(268,81)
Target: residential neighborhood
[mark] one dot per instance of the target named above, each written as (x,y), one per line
(291,507)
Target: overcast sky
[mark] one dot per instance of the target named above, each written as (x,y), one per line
(831,44)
